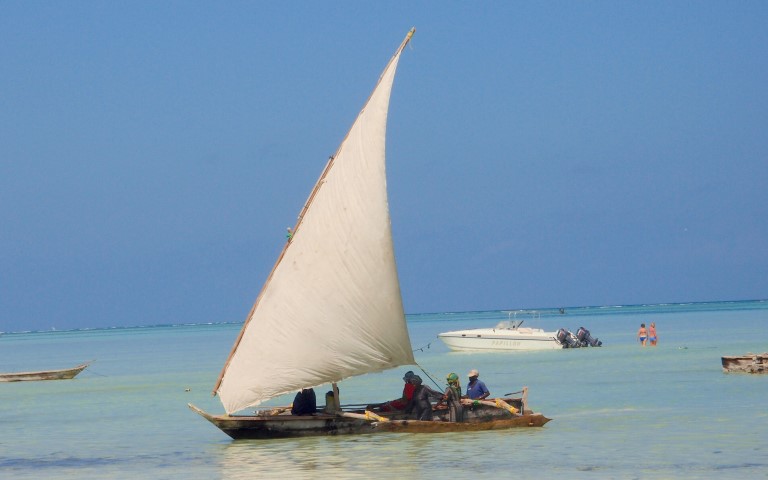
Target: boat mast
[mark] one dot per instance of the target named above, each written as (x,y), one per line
(307,204)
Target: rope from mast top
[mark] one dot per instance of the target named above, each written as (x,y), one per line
(429,376)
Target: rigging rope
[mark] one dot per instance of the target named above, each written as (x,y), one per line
(429,377)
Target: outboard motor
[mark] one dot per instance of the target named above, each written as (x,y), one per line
(567,339)
(586,339)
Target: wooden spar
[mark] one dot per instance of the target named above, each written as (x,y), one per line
(378,418)
(336,400)
(312,195)
(368,415)
(525,399)
(502,404)
(496,402)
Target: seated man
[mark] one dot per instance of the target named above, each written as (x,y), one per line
(476,389)
(400,403)
(304,403)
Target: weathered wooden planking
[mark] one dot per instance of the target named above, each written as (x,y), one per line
(284,426)
(64,374)
(750,363)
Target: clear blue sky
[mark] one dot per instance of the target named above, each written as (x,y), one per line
(541,154)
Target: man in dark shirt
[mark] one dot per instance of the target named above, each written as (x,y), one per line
(304,403)
(419,403)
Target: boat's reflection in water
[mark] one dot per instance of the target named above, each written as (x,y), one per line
(387,455)
(345,456)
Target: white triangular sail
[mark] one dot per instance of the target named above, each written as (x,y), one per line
(331,308)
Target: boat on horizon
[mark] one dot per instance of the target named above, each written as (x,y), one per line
(331,307)
(511,335)
(63,374)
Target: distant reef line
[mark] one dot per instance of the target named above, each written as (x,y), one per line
(416,317)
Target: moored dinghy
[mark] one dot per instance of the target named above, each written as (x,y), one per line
(63,374)
(331,307)
(749,363)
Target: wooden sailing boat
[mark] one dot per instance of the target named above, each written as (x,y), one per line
(63,374)
(331,307)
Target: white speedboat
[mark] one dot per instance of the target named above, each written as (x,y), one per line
(507,335)
(511,335)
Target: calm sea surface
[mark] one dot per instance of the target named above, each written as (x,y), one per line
(619,411)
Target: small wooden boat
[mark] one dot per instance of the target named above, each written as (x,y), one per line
(498,414)
(65,374)
(749,363)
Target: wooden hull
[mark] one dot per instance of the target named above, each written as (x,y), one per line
(415,426)
(284,426)
(64,374)
(750,363)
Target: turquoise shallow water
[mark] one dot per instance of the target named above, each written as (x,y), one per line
(619,411)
